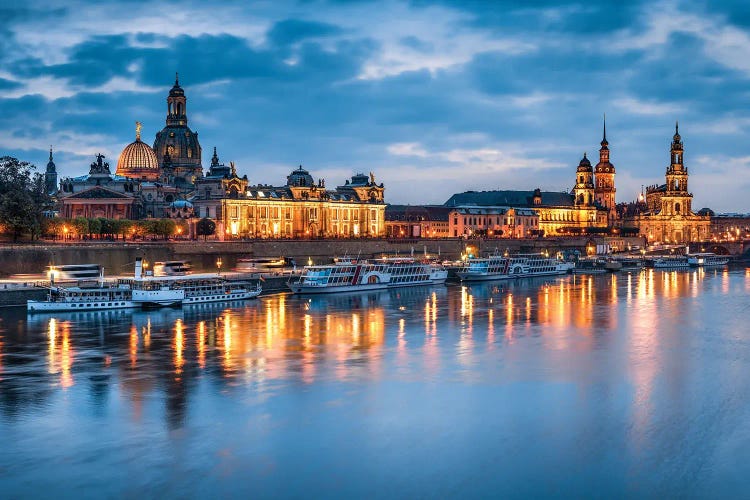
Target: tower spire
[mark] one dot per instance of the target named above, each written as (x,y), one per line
(50,152)
(176,79)
(604,136)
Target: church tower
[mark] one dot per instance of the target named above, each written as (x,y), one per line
(177,148)
(676,199)
(50,176)
(583,191)
(605,179)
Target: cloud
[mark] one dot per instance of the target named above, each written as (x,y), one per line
(290,31)
(633,105)
(448,95)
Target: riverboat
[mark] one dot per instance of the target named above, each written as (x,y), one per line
(412,272)
(349,275)
(196,288)
(145,291)
(678,262)
(707,260)
(499,267)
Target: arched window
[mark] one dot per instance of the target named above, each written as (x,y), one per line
(677,208)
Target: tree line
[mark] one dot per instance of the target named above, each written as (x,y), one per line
(23,198)
(114,229)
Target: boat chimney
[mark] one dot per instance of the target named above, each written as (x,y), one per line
(138,268)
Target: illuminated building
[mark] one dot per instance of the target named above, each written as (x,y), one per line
(665,215)
(605,180)
(176,146)
(301,208)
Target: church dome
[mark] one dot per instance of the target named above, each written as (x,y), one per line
(585,164)
(300,178)
(138,160)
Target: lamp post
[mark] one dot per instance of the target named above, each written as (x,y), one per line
(218,265)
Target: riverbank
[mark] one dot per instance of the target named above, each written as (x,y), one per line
(118,257)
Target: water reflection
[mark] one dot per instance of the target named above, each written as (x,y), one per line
(625,342)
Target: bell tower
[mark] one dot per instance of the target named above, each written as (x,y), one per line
(676,199)
(583,191)
(177,148)
(605,179)
(176,105)
(50,176)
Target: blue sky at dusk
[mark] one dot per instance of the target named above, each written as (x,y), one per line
(433,97)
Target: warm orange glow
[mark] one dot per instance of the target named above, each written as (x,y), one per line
(179,346)
(133,349)
(201,344)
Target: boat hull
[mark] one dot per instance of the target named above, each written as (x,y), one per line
(40,306)
(232,295)
(302,289)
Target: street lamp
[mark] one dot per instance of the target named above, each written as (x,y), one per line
(218,265)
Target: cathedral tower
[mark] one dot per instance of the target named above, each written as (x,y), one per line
(676,199)
(584,188)
(177,148)
(605,179)
(50,176)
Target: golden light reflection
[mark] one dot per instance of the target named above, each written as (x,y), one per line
(490,326)
(60,359)
(147,334)
(179,346)
(227,340)
(201,344)
(509,316)
(66,357)
(133,345)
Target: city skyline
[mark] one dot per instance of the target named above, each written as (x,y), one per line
(450,96)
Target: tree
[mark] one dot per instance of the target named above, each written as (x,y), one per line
(95,227)
(80,226)
(205,228)
(164,227)
(22,197)
(123,227)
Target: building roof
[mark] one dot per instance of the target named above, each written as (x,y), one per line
(97,192)
(437,213)
(509,199)
(138,160)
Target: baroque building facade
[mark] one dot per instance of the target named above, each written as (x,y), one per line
(666,215)
(167,180)
(556,213)
(176,146)
(302,208)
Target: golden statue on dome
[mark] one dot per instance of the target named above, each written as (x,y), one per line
(138,127)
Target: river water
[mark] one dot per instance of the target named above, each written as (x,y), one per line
(609,385)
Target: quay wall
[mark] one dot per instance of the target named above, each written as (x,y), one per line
(118,257)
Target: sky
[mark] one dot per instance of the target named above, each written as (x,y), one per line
(434,98)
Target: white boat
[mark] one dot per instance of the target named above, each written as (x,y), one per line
(172,268)
(262,264)
(196,288)
(76,298)
(707,260)
(406,271)
(499,267)
(679,262)
(354,276)
(145,291)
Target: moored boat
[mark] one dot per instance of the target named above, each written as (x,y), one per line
(349,275)
(707,259)
(499,267)
(677,262)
